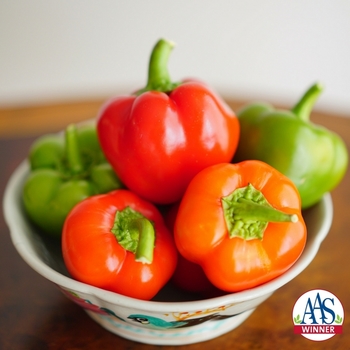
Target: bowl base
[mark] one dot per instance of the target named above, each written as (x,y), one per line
(179,336)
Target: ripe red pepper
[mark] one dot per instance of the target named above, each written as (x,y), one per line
(160,137)
(119,242)
(189,276)
(242,223)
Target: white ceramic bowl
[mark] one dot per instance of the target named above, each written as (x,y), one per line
(170,319)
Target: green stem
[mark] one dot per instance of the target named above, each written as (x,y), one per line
(145,247)
(158,75)
(72,150)
(135,233)
(248,210)
(247,213)
(305,105)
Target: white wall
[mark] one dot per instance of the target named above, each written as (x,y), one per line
(271,49)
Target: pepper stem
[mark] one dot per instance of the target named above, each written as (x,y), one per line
(145,247)
(304,107)
(75,164)
(250,210)
(158,75)
(135,233)
(247,213)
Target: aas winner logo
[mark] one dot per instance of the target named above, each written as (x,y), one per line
(318,315)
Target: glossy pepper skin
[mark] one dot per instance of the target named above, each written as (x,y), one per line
(242,223)
(65,169)
(158,138)
(119,242)
(314,158)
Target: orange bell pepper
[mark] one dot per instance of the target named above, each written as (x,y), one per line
(242,223)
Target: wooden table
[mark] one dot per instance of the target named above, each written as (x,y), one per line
(35,315)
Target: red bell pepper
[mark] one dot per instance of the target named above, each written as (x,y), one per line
(242,223)
(160,137)
(189,276)
(119,242)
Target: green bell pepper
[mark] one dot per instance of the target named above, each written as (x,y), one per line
(65,170)
(314,158)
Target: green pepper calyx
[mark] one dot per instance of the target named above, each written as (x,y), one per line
(247,213)
(83,160)
(73,157)
(158,75)
(135,233)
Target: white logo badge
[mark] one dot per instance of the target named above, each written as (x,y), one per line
(318,315)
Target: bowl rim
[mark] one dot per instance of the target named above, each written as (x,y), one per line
(16,221)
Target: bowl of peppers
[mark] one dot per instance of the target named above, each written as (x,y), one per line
(145,218)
